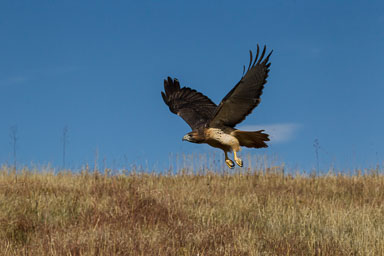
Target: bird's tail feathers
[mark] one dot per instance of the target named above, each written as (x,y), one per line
(252,139)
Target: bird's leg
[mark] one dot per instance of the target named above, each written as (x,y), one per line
(237,160)
(228,161)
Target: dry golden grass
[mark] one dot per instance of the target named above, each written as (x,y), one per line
(201,214)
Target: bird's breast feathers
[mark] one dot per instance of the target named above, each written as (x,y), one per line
(218,138)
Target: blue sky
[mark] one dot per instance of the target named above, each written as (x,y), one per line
(97,67)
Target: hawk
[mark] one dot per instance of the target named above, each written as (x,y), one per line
(215,124)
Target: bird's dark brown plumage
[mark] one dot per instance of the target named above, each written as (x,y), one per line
(198,110)
(215,125)
(195,108)
(245,96)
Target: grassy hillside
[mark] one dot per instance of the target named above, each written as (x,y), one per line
(202,214)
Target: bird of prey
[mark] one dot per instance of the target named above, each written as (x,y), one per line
(215,124)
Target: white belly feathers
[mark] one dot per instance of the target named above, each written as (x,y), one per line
(223,138)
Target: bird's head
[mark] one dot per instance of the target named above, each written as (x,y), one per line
(193,137)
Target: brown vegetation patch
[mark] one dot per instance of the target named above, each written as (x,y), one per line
(212,214)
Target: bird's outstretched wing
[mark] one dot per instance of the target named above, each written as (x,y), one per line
(245,96)
(195,108)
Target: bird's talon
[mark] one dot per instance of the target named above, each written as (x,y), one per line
(239,162)
(230,163)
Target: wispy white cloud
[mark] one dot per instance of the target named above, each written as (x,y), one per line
(315,51)
(33,74)
(279,133)
(381,19)
(13,81)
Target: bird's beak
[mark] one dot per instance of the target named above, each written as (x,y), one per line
(185,138)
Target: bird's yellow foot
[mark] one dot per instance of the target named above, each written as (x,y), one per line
(230,163)
(239,162)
